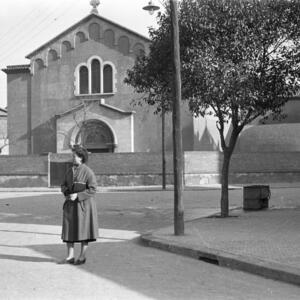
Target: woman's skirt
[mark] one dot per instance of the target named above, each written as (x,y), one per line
(80,221)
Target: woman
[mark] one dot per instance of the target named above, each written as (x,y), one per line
(80,222)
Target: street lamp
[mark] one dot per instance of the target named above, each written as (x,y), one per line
(151,8)
(176,119)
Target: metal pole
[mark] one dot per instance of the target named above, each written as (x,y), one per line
(163,150)
(177,135)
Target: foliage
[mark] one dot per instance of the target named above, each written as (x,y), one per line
(247,62)
(151,75)
(240,59)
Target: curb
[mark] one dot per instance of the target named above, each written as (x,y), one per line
(255,266)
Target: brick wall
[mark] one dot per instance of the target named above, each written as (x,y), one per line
(145,168)
(245,168)
(23,171)
(23,165)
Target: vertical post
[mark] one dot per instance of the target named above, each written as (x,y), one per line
(163,149)
(177,135)
(49,169)
(29,116)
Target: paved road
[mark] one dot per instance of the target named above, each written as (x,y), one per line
(118,266)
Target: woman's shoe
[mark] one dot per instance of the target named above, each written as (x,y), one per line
(70,261)
(79,262)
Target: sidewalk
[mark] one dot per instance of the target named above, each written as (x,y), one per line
(265,242)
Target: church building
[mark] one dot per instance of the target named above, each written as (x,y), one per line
(73,91)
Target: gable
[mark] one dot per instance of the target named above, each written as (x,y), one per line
(96,107)
(96,28)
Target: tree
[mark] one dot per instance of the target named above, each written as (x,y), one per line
(240,60)
(80,122)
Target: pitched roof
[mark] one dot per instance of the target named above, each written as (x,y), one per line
(16,68)
(85,19)
(3,112)
(80,106)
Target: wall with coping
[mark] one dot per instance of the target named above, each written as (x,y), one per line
(142,168)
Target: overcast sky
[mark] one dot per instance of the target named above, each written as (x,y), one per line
(27,24)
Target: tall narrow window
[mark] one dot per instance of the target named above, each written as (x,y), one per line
(123,45)
(84,80)
(107,79)
(95,76)
(94,32)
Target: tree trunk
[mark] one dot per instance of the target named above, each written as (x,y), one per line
(177,135)
(224,184)
(227,152)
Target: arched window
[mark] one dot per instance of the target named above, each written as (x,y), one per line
(83,80)
(80,38)
(107,79)
(96,136)
(95,76)
(94,32)
(52,55)
(123,45)
(139,50)
(39,64)
(109,38)
(66,47)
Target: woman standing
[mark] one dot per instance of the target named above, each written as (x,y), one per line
(80,221)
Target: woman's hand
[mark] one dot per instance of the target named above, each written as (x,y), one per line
(73,197)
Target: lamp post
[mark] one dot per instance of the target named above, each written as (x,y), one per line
(176,119)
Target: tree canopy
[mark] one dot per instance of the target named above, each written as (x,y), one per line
(240,59)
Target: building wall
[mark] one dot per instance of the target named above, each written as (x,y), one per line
(261,135)
(273,135)
(18,104)
(53,88)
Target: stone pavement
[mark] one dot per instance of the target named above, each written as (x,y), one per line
(264,242)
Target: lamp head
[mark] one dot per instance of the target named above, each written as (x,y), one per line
(151,8)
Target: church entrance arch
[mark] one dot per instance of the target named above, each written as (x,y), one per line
(96,137)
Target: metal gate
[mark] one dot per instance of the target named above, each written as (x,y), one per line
(57,172)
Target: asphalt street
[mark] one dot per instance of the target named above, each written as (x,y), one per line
(118,266)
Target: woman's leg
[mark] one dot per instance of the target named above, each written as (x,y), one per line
(70,259)
(70,247)
(84,246)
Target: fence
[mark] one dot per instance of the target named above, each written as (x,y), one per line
(129,169)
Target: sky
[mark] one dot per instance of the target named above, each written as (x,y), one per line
(27,24)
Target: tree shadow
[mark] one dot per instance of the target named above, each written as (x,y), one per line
(26,258)
(128,264)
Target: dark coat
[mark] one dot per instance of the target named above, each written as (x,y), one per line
(80,220)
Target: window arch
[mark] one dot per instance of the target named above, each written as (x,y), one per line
(123,45)
(39,64)
(80,37)
(96,136)
(94,77)
(139,50)
(107,79)
(84,80)
(66,47)
(109,38)
(94,31)
(52,55)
